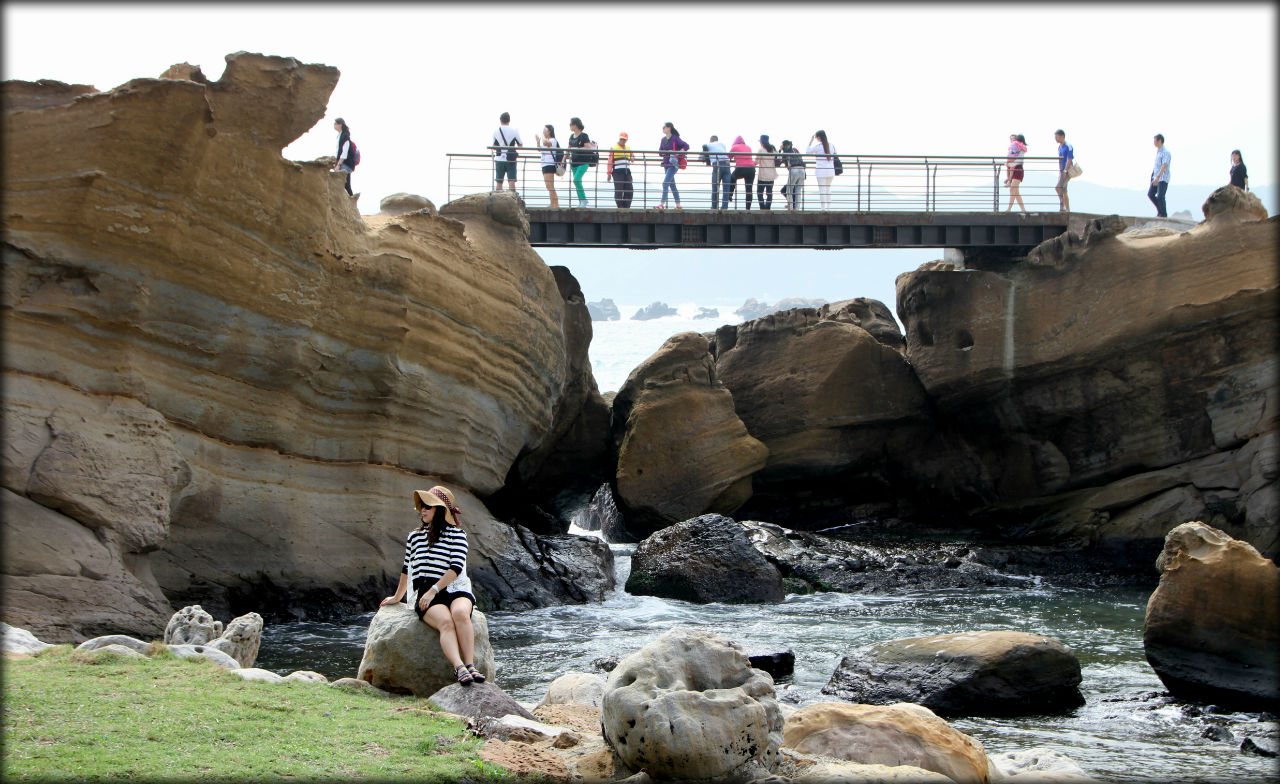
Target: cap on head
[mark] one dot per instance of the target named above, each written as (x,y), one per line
(623,135)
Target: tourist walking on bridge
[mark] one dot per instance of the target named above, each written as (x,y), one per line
(824,167)
(1239,174)
(579,157)
(744,168)
(1066,157)
(505,140)
(435,566)
(1159,176)
(720,171)
(552,156)
(671,146)
(766,172)
(795,174)
(620,172)
(1013,164)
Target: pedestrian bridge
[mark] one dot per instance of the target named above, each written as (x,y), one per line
(880,201)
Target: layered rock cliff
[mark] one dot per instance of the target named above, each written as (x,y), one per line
(222,385)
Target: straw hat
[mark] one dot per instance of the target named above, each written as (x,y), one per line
(437,496)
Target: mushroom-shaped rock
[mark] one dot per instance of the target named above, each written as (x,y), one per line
(1213,623)
(689,706)
(902,734)
(707,559)
(402,654)
(399,203)
(682,450)
(1236,203)
(994,673)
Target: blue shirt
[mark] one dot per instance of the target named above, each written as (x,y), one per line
(1065,153)
(1162,157)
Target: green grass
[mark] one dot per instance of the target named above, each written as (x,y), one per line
(70,715)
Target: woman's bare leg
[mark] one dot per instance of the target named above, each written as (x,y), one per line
(438,618)
(551,188)
(463,630)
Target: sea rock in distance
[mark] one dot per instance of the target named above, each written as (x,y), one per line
(603,310)
(656,310)
(990,673)
(689,706)
(1212,626)
(707,313)
(681,449)
(705,559)
(754,309)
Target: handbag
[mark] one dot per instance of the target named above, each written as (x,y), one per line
(839,166)
(1074,170)
(560,169)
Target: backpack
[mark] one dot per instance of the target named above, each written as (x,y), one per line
(593,157)
(355,154)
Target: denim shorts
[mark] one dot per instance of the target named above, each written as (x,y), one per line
(509,167)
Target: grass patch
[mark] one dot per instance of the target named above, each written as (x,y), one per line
(68,715)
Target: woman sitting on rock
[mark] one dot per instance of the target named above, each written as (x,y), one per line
(435,564)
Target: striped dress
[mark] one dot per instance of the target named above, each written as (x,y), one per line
(424,563)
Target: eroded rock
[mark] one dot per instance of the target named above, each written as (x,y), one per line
(402,654)
(191,626)
(1204,639)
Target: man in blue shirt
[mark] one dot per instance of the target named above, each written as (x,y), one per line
(1066,154)
(1159,177)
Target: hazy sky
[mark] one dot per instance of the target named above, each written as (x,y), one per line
(420,80)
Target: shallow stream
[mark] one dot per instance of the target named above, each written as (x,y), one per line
(1128,729)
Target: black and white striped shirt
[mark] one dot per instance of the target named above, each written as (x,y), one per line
(425,564)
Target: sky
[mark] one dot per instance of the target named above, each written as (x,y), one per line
(422,80)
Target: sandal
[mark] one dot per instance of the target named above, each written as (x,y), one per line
(476,675)
(464,674)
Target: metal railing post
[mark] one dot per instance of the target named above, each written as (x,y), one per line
(995,182)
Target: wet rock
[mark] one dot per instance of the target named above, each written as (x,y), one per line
(604,310)
(779,665)
(402,654)
(606,663)
(477,701)
(902,734)
(1200,638)
(705,559)
(681,449)
(191,626)
(1218,733)
(1262,747)
(656,310)
(689,706)
(967,674)
(575,687)
(602,515)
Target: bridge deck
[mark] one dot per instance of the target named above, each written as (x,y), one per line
(635,228)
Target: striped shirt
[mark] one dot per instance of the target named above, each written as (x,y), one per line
(425,564)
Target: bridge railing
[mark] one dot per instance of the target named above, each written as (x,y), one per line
(870,183)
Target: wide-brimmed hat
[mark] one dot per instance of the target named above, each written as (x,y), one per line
(437,496)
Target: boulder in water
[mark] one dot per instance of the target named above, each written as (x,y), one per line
(656,310)
(902,734)
(1212,627)
(689,706)
(705,559)
(993,673)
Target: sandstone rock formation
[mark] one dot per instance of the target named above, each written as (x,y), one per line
(1212,627)
(191,626)
(689,706)
(1109,388)
(221,383)
(994,673)
(830,400)
(399,203)
(402,654)
(704,559)
(902,734)
(681,449)
(575,688)
(241,639)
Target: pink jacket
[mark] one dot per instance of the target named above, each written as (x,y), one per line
(742,155)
